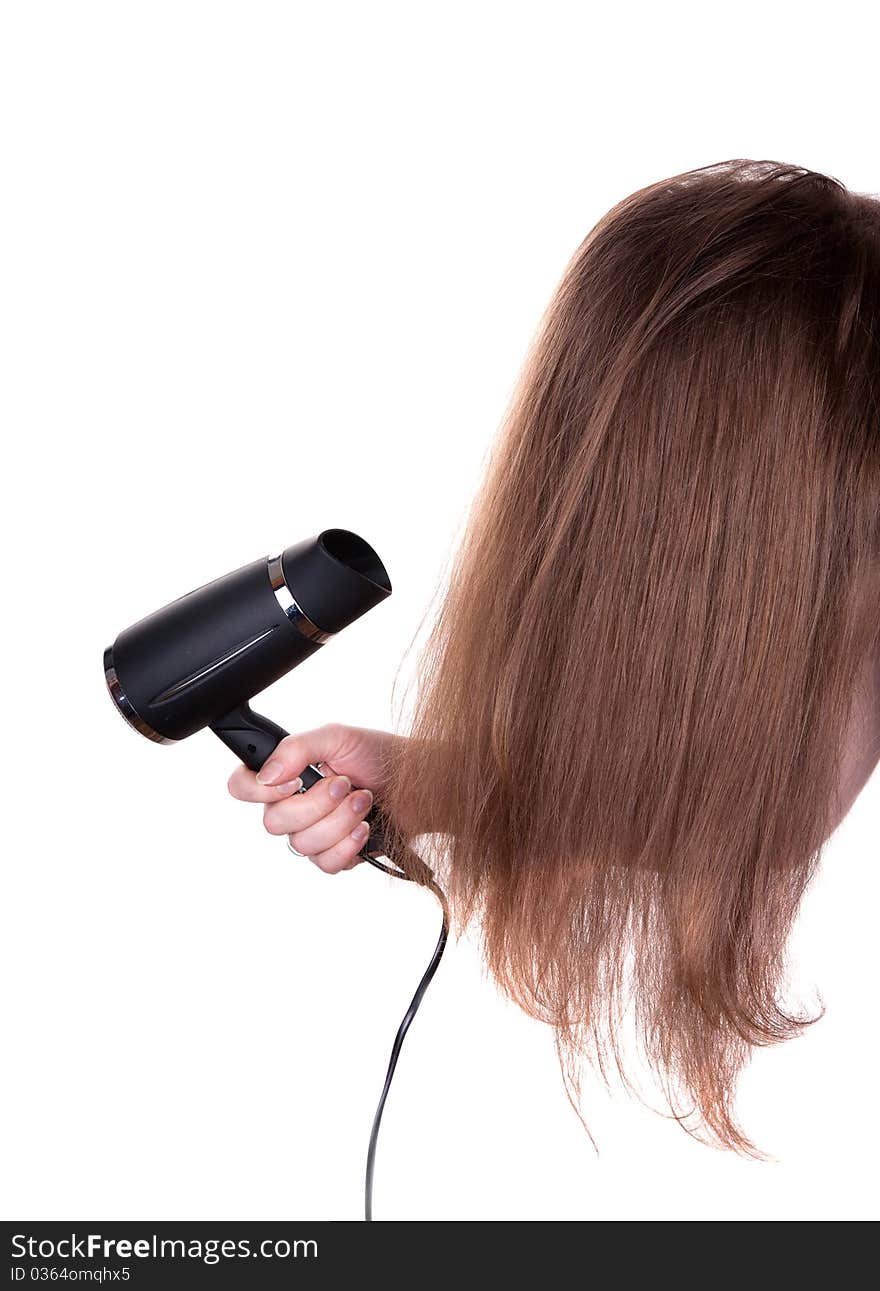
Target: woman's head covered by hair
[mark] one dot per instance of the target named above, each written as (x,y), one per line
(630,709)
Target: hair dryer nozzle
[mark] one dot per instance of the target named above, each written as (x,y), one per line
(335,578)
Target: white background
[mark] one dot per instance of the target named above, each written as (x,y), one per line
(267,269)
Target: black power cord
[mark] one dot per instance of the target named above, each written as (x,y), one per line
(404,1026)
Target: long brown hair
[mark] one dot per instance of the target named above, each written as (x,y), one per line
(624,748)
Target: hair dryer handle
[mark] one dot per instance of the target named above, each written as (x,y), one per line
(251,736)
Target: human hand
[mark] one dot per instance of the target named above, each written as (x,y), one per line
(326,823)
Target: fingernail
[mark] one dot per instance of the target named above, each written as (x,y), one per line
(292,786)
(270,771)
(361,800)
(339,787)
(360,831)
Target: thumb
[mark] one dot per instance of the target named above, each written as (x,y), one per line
(347,750)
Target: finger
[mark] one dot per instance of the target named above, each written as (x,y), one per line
(332,829)
(243,785)
(303,810)
(342,855)
(295,752)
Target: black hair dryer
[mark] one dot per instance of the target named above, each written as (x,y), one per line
(198,661)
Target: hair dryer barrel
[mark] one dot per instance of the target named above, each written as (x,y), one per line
(202,657)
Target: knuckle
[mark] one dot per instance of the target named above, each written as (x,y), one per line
(332,864)
(342,855)
(271,821)
(332,733)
